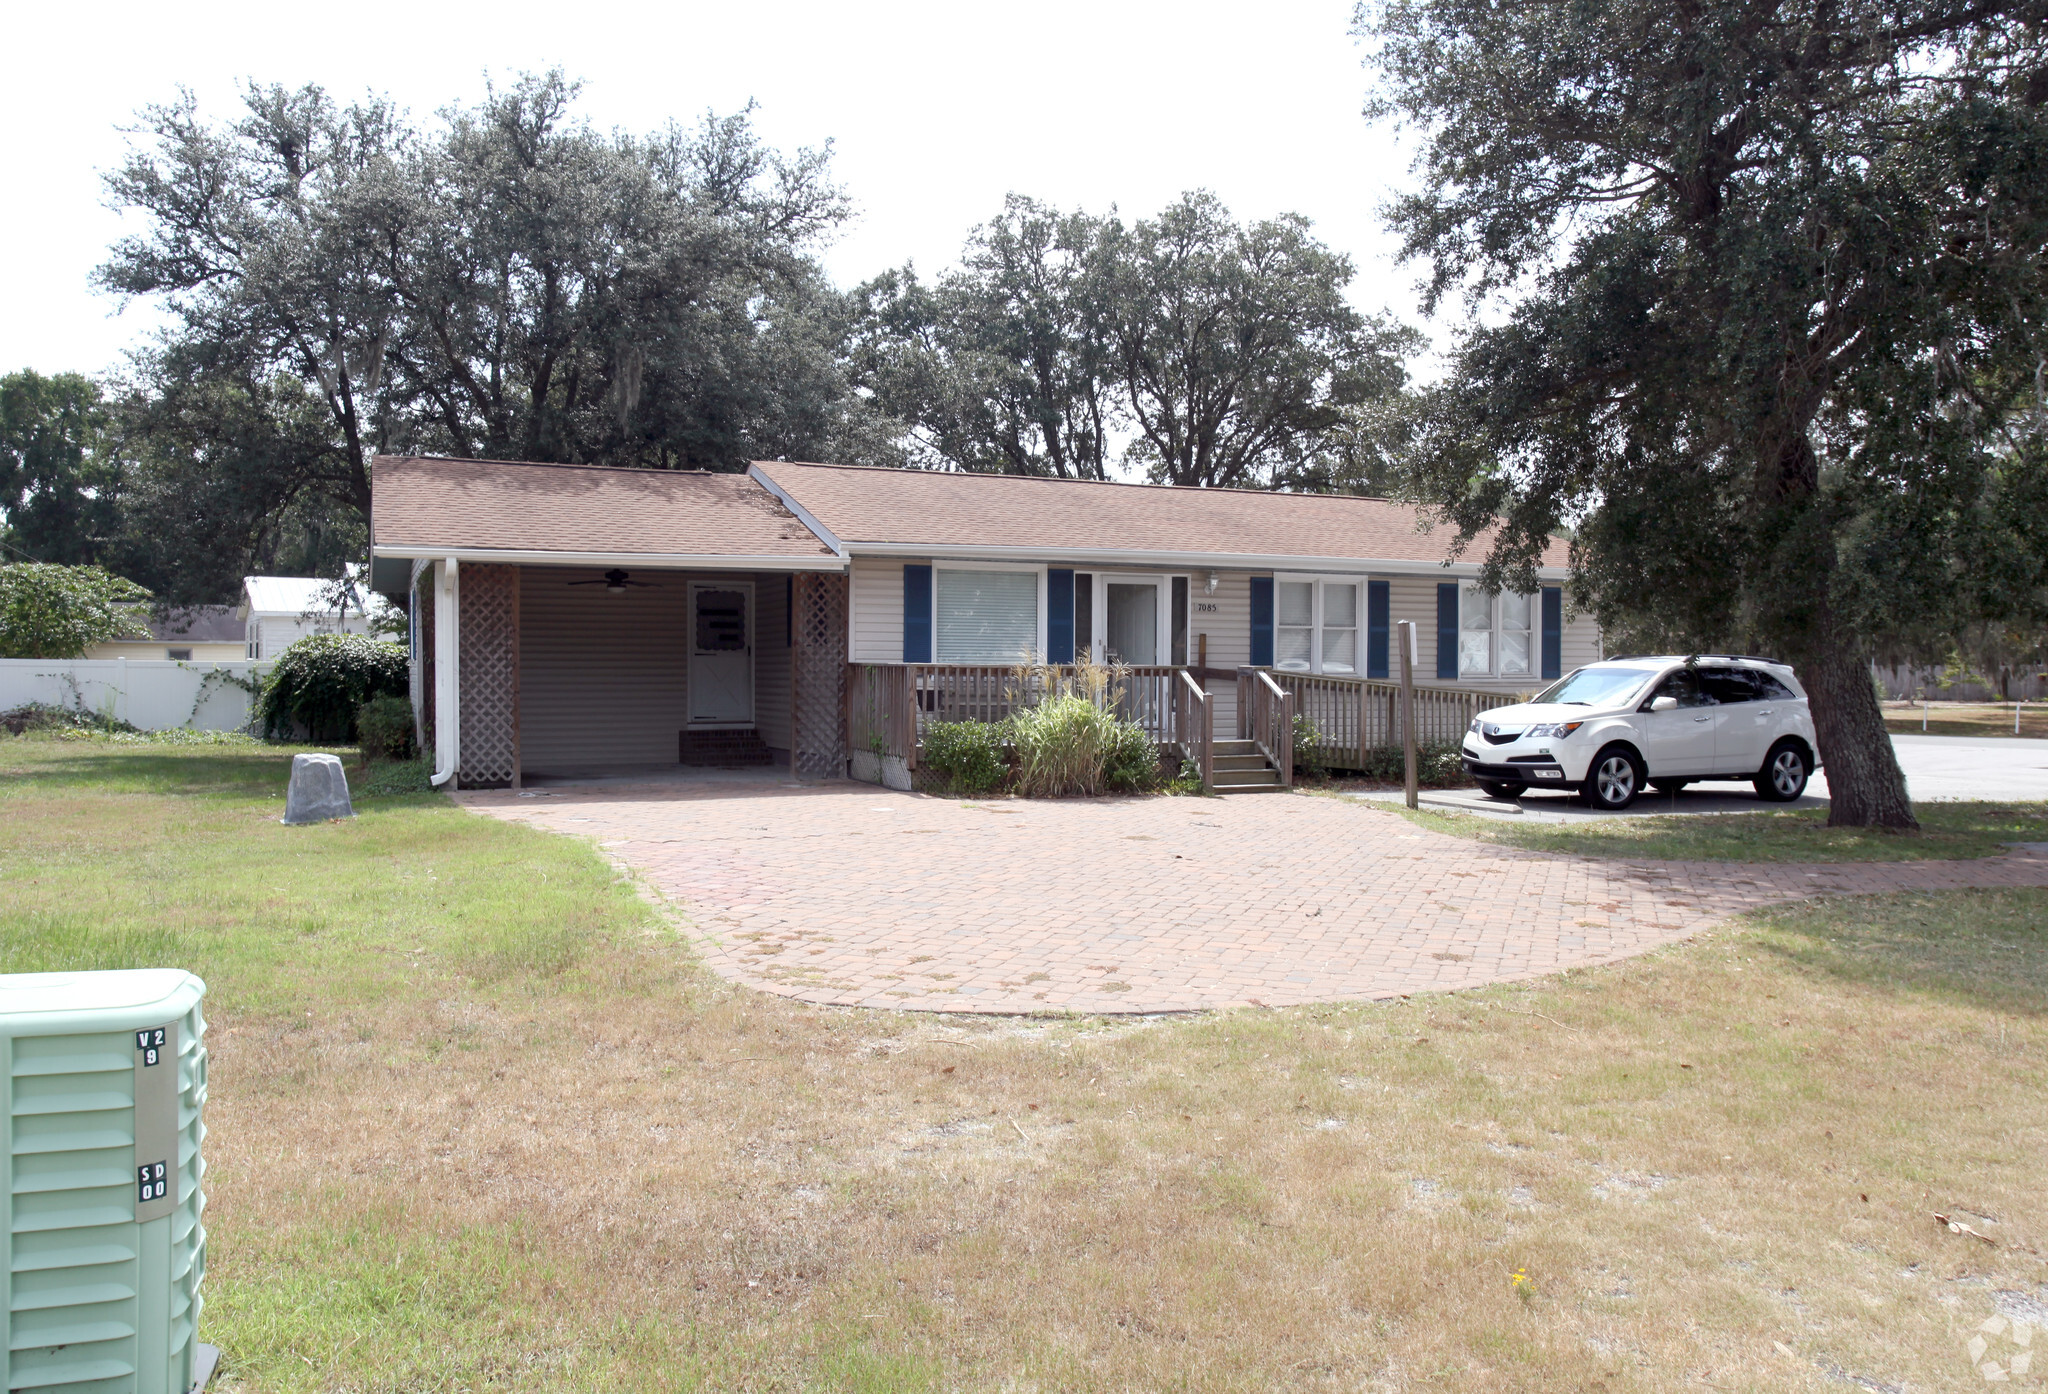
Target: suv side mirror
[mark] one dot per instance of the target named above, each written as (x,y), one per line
(1663,704)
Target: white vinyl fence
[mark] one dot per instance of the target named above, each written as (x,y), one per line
(153,694)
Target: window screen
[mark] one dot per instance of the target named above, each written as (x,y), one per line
(1340,628)
(1514,634)
(1475,630)
(987,616)
(1294,624)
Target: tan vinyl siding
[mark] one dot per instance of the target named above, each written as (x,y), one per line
(878,609)
(1230,638)
(603,679)
(1581,640)
(772,661)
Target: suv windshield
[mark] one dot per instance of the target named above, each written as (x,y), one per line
(1597,687)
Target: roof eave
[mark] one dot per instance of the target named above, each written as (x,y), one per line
(1207,561)
(695,561)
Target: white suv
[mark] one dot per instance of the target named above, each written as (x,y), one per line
(1608,729)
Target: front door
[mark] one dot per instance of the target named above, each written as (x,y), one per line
(721,654)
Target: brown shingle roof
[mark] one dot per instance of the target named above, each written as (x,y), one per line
(918,508)
(429,502)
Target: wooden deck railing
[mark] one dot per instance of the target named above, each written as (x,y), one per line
(1266,712)
(1343,709)
(1194,720)
(890,704)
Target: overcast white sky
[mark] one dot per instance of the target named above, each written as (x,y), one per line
(936,110)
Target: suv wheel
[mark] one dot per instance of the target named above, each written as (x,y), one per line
(1783,777)
(1614,780)
(1498,789)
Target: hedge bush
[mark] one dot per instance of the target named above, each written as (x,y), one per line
(385,728)
(321,682)
(967,755)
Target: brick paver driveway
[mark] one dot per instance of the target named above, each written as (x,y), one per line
(849,894)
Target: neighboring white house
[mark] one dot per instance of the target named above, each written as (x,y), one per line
(278,610)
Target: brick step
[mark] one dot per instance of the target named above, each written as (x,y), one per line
(724,749)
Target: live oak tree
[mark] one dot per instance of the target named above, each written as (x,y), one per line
(1770,288)
(508,282)
(60,480)
(1004,364)
(1190,347)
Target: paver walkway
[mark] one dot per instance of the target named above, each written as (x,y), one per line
(853,895)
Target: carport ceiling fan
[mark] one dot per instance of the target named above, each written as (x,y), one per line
(615,582)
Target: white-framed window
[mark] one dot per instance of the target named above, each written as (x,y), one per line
(987,613)
(1495,633)
(1316,623)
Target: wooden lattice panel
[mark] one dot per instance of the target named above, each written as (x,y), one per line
(489,638)
(820,676)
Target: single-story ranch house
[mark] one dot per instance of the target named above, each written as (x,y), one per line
(572,620)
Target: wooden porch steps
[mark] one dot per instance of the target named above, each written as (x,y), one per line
(1241,769)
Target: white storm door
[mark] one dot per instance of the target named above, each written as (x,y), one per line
(721,653)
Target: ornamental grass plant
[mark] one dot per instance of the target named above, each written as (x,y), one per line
(1069,737)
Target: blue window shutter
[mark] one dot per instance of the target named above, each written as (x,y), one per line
(1553,632)
(1059,615)
(917,614)
(1262,621)
(1447,630)
(1379,625)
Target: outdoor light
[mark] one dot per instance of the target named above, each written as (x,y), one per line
(1209,586)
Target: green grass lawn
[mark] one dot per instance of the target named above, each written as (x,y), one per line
(478,1121)
(1947,830)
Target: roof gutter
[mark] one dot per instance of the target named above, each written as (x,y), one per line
(1204,561)
(803,515)
(695,561)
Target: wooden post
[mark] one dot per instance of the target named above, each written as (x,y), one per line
(1407,638)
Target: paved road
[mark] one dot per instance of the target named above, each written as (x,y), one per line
(852,895)
(1937,767)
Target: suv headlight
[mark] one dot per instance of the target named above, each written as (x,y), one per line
(1473,729)
(1554,731)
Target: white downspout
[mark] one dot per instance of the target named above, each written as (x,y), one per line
(447,687)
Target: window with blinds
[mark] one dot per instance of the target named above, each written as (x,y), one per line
(1294,625)
(986,616)
(1495,636)
(1315,625)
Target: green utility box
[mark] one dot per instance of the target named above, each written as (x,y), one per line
(106,1081)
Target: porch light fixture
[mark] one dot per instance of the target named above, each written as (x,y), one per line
(1209,584)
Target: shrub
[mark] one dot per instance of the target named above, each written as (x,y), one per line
(385,727)
(1131,763)
(322,681)
(61,611)
(1438,765)
(967,755)
(41,716)
(1310,760)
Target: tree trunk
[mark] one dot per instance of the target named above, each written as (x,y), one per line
(1866,787)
